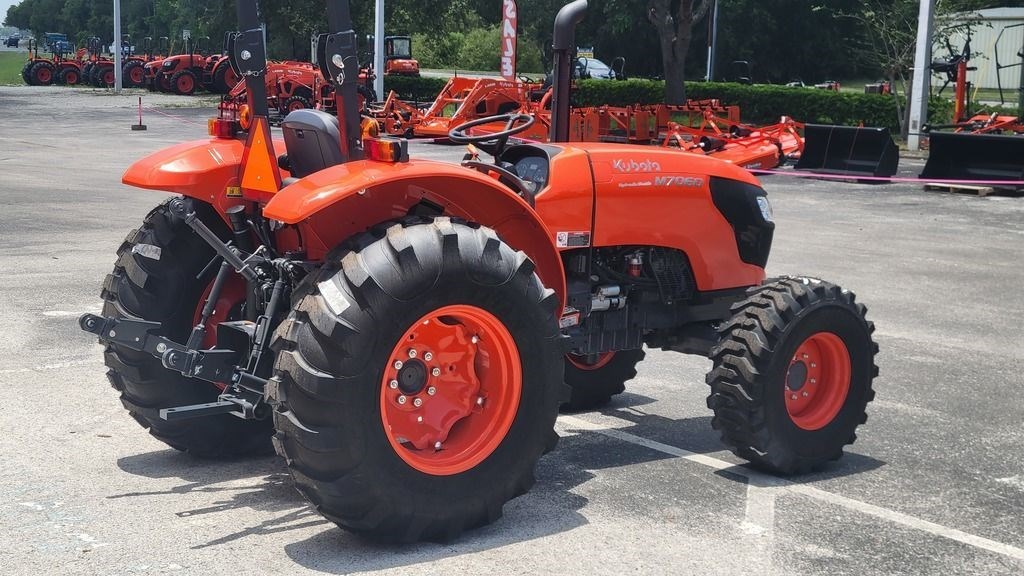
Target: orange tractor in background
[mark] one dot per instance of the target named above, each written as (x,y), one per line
(404,331)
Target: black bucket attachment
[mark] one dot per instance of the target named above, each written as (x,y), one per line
(980,157)
(848,150)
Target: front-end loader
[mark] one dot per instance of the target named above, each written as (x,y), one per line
(404,331)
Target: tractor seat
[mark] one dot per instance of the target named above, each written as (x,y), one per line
(312,141)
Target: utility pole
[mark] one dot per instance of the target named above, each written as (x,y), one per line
(712,43)
(922,74)
(117,47)
(378,49)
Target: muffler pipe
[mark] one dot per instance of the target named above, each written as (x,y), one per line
(564,50)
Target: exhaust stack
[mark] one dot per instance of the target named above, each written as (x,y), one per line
(564,47)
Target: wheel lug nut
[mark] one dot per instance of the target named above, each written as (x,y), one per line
(402,399)
(813,365)
(805,394)
(436,371)
(417,402)
(813,381)
(412,352)
(393,384)
(437,445)
(431,391)
(793,397)
(480,401)
(398,364)
(428,356)
(475,339)
(419,419)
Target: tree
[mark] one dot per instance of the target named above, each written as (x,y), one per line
(675,30)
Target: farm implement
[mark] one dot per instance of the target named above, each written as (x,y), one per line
(403,332)
(982,147)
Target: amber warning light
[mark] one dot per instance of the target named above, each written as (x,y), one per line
(387,149)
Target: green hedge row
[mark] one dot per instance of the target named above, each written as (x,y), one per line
(412,88)
(765,104)
(758,104)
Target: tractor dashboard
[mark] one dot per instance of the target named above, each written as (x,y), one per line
(530,163)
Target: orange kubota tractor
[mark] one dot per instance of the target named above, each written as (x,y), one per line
(406,330)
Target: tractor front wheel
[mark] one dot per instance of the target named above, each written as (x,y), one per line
(155,279)
(417,381)
(792,374)
(70,76)
(296,103)
(596,378)
(183,83)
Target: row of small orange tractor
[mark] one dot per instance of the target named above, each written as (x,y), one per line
(153,68)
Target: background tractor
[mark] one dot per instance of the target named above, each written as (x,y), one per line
(403,331)
(182,74)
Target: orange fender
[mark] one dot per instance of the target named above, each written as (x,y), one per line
(339,202)
(201,169)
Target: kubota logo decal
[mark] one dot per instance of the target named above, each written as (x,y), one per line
(630,166)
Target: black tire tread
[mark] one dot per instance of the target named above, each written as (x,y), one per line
(324,454)
(745,350)
(591,389)
(144,384)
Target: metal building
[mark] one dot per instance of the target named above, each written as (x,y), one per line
(1009,22)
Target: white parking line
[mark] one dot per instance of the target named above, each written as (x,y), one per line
(765,482)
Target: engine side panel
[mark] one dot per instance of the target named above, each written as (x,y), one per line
(656,197)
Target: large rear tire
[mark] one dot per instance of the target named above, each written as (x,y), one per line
(70,76)
(134,74)
(166,290)
(792,374)
(434,320)
(42,74)
(594,380)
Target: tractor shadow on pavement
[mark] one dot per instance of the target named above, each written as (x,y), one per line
(551,507)
(261,484)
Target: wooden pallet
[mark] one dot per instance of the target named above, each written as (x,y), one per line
(964,188)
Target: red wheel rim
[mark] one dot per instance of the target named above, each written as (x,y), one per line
(231,295)
(185,84)
(44,75)
(296,105)
(817,381)
(71,77)
(137,74)
(451,390)
(582,362)
(108,77)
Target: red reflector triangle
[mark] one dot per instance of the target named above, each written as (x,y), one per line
(259,166)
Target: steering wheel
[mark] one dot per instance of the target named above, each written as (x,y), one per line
(495,142)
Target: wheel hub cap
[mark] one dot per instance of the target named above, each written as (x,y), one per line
(817,381)
(451,389)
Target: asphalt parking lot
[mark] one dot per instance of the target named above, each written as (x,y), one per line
(934,485)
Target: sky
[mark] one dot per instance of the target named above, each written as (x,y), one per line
(4,5)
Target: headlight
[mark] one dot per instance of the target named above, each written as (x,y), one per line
(168,64)
(766,208)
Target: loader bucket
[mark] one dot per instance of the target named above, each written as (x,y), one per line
(980,157)
(848,150)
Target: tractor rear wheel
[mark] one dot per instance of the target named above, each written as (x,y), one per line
(42,74)
(417,381)
(595,379)
(165,289)
(25,72)
(70,76)
(792,374)
(183,83)
(134,74)
(224,78)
